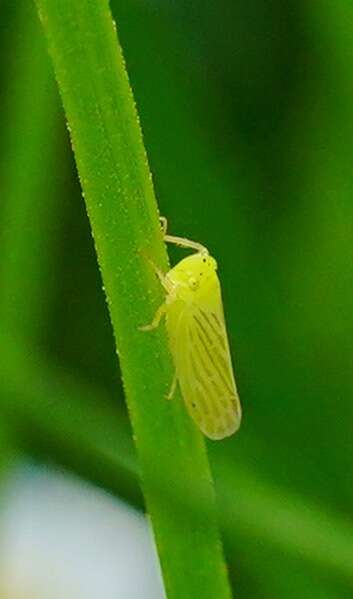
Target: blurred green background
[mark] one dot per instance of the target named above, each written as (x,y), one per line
(247,114)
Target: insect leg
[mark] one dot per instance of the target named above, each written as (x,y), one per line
(173,387)
(156,320)
(164,224)
(186,243)
(180,241)
(168,286)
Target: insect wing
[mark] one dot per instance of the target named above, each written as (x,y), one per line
(204,367)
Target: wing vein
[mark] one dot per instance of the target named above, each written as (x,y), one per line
(220,364)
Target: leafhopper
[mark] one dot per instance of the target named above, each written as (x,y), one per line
(198,340)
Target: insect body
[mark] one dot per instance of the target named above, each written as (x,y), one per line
(198,341)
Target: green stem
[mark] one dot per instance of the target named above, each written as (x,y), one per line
(122,209)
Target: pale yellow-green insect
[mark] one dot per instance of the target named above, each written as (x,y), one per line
(198,340)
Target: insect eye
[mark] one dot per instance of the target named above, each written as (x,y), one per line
(193,283)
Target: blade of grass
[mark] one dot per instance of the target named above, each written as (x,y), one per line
(123,213)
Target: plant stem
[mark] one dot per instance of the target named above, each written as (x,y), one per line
(123,212)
